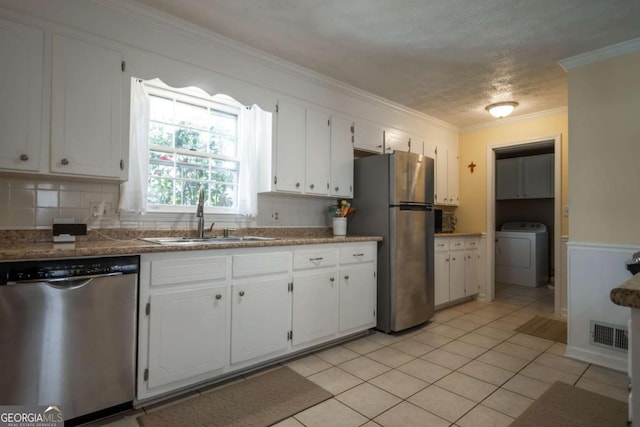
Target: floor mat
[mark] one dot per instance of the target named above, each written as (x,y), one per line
(543,327)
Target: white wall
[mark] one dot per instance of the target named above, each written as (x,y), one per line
(155,45)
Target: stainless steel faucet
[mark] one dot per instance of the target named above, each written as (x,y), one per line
(200,215)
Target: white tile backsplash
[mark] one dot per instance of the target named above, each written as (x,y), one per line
(33,203)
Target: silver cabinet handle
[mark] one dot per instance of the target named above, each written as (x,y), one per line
(241,293)
(447,260)
(24,157)
(297,185)
(316,259)
(332,279)
(311,186)
(379,146)
(346,277)
(337,188)
(218,296)
(358,254)
(454,259)
(64,162)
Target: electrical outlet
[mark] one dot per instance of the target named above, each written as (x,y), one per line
(99,209)
(565,210)
(275,216)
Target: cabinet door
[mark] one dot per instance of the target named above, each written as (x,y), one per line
(416,144)
(187,334)
(537,176)
(358,287)
(260,318)
(368,137)
(429,150)
(471,272)
(318,152)
(290,147)
(86,110)
(394,140)
(508,179)
(452,176)
(441,277)
(456,275)
(315,306)
(341,158)
(21,50)
(440,195)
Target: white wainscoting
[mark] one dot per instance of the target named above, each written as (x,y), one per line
(593,270)
(482,269)
(561,293)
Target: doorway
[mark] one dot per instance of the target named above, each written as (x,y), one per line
(548,211)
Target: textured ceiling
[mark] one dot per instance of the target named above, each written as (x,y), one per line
(445,58)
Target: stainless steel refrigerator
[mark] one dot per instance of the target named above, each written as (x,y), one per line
(393,195)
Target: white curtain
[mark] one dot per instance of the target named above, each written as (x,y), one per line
(255,129)
(133,193)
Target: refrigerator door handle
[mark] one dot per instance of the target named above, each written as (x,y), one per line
(414,207)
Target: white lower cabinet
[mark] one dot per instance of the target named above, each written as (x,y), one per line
(204,314)
(260,318)
(456,268)
(175,355)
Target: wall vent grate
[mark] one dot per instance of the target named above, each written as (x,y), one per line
(610,336)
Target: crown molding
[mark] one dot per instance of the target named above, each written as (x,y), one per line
(516,119)
(195,32)
(601,54)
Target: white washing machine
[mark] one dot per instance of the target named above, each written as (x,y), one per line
(522,254)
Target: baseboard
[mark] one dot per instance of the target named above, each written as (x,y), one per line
(611,362)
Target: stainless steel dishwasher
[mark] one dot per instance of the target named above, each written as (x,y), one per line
(68,333)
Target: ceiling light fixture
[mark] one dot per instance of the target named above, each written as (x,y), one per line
(501,109)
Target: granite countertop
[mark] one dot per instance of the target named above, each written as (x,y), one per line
(627,294)
(29,244)
(458,234)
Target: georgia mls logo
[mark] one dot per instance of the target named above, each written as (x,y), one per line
(31,416)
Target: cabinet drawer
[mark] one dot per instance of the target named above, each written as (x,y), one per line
(441,244)
(314,258)
(258,264)
(169,272)
(472,243)
(456,244)
(355,254)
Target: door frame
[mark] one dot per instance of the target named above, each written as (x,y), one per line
(557,211)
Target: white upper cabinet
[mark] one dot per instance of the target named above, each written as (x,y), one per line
(368,137)
(429,149)
(21,50)
(290,147)
(452,176)
(529,177)
(395,140)
(86,110)
(318,152)
(341,157)
(446,191)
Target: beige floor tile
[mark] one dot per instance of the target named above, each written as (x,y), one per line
(467,307)
(488,314)
(498,309)
(308,365)
(466,386)
(368,400)
(490,332)
(407,415)
(526,386)
(165,404)
(464,349)
(503,360)
(607,376)
(371,424)
(532,342)
(399,383)
(504,326)
(481,416)
(608,390)
(464,324)
(429,338)
(445,358)
(508,402)
(517,319)
(517,350)
(363,346)
(547,374)
(412,347)
(335,380)
(337,355)
(485,372)
(385,339)
(426,371)
(289,422)
(364,368)
(441,402)
(480,340)
(390,357)
(128,419)
(562,363)
(330,413)
(473,317)
(445,315)
(558,348)
(446,330)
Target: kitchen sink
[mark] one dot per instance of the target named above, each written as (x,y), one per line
(205,240)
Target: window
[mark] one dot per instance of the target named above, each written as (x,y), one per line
(193,143)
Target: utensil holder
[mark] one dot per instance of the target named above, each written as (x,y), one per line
(339,226)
